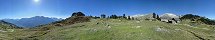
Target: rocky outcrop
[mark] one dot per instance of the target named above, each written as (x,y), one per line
(145,16)
(170,18)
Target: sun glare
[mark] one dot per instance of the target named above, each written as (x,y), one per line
(36,0)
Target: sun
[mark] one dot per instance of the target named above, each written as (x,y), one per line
(36,0)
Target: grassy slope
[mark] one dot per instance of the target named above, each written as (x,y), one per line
(128,30)
(4,30)
(113,29)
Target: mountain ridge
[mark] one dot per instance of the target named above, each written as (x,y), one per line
(32,21)
(6,25)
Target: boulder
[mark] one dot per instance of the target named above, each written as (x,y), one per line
(169,17)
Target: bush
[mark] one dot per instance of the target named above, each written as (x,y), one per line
(114,16)
(78,14)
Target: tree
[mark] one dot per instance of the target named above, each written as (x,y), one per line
(207,21)
(114,16)
(103,16)
(129,18)
(108,16)
(124,16)
(73,14)
(132,18)
(158,18)
(174,20)
(190,16)
(78,14)
(154,15)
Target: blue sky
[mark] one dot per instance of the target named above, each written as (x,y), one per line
(64,8)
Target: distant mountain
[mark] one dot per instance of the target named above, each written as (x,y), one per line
(32,22)
(6,25)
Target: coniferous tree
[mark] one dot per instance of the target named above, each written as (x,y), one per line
(78,14)
(114,16)
(174,20)
(129,18)
(124,16)
(73,14)
(132,18)
(103,16)
(91,16)
(154,15)
(158,18)
(108,16)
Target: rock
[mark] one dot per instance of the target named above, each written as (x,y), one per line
(138,26)
(120,20)
(158,29)
(205,28)
(177,29)
(97,23)
(169,17)
(109,27)
(138,21)
(195,27)
(144,16)
(2,31)
(58,24)
(92,30)
(161,29)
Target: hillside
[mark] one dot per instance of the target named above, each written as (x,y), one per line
(6,28)
(81,27)
(117,29)
(6,25)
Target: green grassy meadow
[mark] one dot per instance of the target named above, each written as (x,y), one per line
(116,29)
